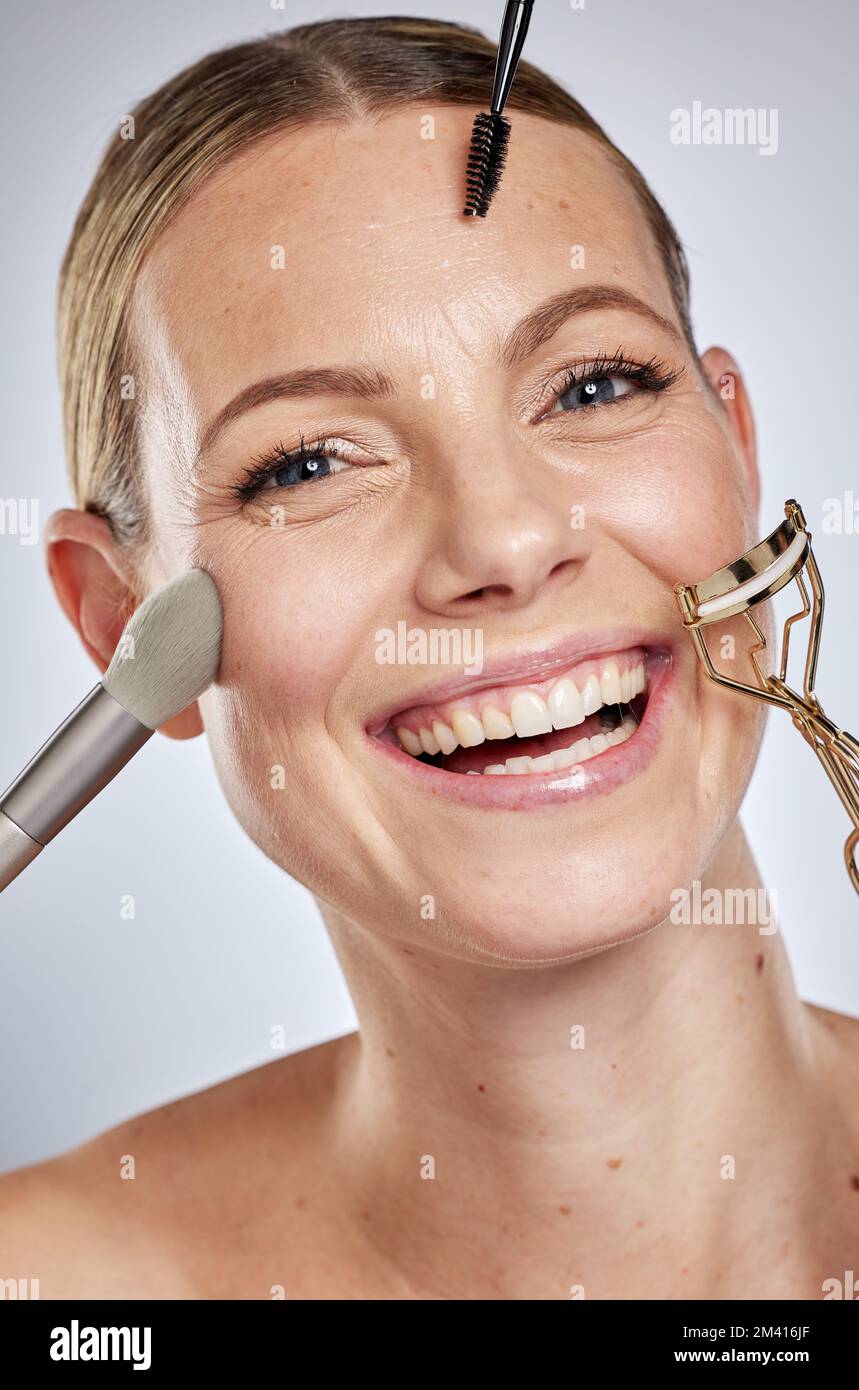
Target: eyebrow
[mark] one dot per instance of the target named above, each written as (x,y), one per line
(543,322)
(371,383)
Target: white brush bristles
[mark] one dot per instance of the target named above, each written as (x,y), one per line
(169,650)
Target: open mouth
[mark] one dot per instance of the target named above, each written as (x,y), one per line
(533,728)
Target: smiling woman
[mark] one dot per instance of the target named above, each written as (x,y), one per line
(290,360)
(332,72)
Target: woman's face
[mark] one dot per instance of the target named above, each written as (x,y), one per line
(487,478)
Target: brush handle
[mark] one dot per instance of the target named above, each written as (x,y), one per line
(78,760)
(17,850)
(514,27)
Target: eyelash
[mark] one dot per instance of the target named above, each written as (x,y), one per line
(652,375)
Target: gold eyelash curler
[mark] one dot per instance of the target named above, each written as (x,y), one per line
(735,589)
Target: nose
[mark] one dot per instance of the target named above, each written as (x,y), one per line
(504,530)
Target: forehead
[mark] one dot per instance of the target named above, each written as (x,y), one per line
(339,241)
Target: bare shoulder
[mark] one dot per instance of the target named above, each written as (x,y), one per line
(839,1051)
(843,1028)
(138,1210)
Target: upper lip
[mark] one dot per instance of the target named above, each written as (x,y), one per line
(522,665)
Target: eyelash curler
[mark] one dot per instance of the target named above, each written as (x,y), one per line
(736,588)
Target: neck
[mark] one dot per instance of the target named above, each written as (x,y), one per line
(579,1125)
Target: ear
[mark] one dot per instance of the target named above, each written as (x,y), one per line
(727,382)
(98,590)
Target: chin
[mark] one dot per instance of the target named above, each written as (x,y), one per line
(554,893)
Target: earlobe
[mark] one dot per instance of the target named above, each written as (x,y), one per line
(98,591)
(727,382)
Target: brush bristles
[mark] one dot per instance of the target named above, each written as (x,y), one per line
(490,136)
(169,650)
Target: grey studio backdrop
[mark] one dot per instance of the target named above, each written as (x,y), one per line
(101,1017)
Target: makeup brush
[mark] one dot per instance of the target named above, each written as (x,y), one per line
(490,134)
(166,657)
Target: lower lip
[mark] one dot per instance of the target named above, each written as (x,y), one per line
(510,792)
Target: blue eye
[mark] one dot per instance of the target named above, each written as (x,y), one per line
(599,381)
(286,469)
(594,390)
(302,470)
(604,380)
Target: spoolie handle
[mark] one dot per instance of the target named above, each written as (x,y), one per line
(517,17)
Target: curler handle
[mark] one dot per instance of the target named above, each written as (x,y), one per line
(838,751)
(850,857)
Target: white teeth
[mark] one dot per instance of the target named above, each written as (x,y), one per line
(468,728)
(565,757)
(591,696)
(443,736)
(410,741)
(518,765)
(545,763)
(566,706)
(530,714)
(562,758)
(581,751)
(428,743)
(496,724)
(610,684)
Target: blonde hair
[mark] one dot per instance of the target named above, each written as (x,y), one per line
(341,70)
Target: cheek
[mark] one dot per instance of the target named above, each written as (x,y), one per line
(293,618)
(681,501)
(301,606)
(291,626)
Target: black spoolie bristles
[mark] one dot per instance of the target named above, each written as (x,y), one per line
(490,136)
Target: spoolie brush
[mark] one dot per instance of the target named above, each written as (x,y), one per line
(167,656)
(490,134)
